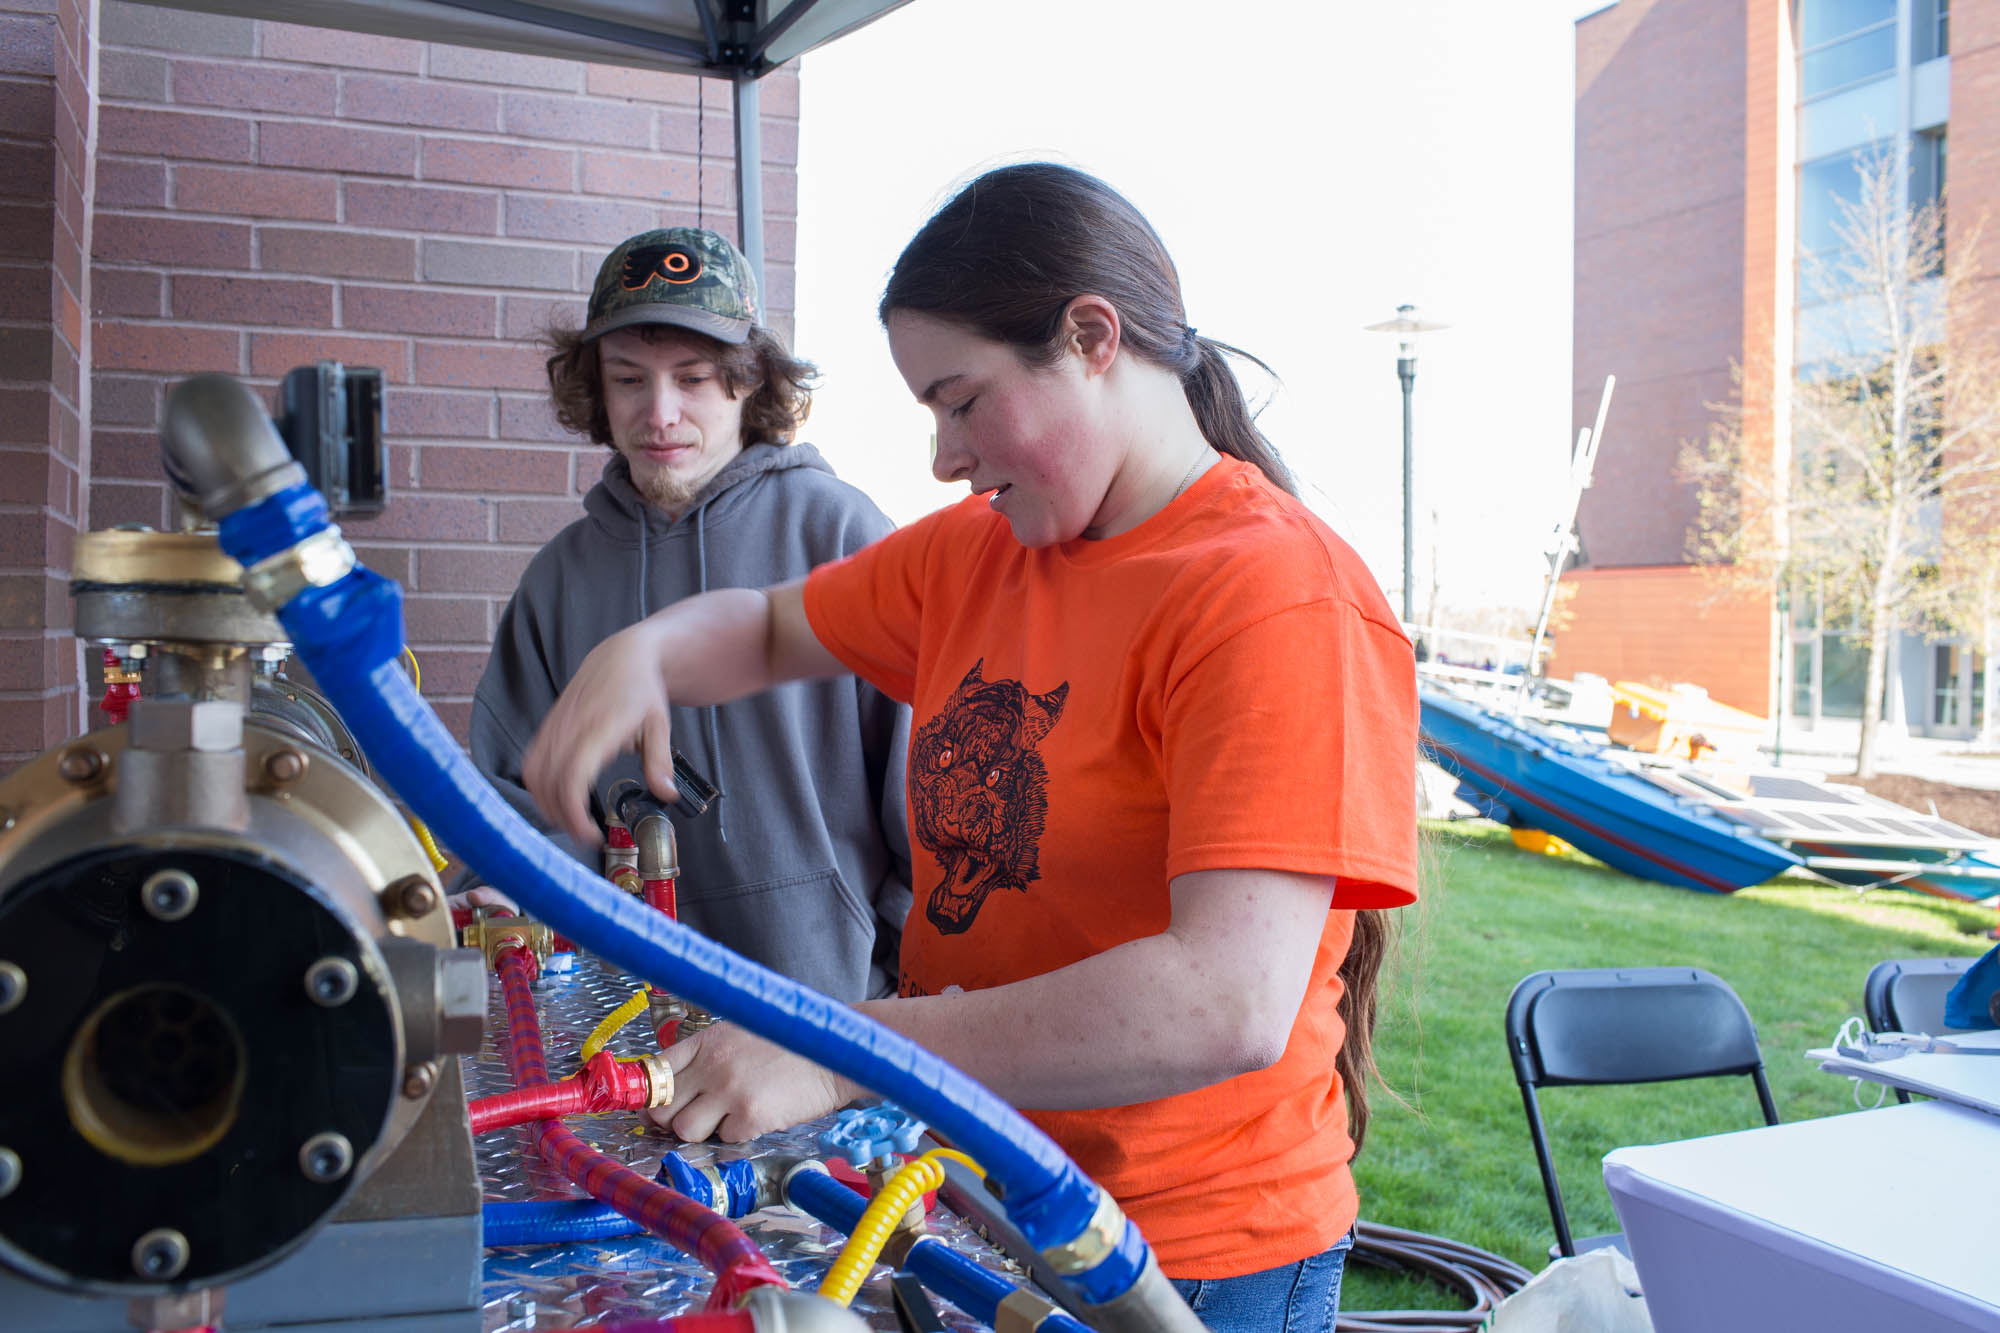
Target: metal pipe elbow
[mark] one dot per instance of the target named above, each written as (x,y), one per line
(659,849)
(220,448)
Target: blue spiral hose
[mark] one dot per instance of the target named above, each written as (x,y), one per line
(350,634)
(553,1222)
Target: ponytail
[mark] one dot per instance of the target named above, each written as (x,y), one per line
(1222,412)
(1360,975)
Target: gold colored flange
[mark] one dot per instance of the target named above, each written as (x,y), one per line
(121,556)
(136,586)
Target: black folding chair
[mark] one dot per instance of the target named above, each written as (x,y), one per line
(1623,1025)
(1907,995)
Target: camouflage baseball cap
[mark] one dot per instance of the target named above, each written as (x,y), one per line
(679,275)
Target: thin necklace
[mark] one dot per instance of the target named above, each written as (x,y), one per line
(1200,462)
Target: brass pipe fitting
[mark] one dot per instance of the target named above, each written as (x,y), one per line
(659,1078)
(491,934)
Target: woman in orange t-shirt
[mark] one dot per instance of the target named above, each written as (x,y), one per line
(1161,775)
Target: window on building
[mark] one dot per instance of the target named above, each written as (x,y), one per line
(1930,30)
(1944,684)
(1828,188)
(1927,168)
(1845,42)
(1958,687)
(1843,674)
(1829,659)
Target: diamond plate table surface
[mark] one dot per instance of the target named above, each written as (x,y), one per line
(641,1277)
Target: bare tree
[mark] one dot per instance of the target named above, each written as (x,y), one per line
(1892,443)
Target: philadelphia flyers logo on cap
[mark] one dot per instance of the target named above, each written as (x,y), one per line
(667,263)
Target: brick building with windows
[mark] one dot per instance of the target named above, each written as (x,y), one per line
(185,192)
(1714,139)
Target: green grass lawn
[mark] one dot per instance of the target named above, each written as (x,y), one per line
(1456,1160)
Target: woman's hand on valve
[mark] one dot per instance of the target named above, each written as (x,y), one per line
(616,702)
(732,1084)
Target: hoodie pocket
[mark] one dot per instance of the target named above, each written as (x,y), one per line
(807,927)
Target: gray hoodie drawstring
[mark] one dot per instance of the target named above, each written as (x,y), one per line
(711,734)
(644,610)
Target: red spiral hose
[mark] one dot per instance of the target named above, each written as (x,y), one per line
(718,1244)
(603,1084)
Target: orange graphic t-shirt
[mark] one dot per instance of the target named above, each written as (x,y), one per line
(1222,687)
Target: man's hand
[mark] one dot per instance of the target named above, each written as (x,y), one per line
(616,702)
(484,895)
(733,1085)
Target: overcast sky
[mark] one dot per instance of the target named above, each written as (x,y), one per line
(1308,175)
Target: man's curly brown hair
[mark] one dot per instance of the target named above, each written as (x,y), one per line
(775,385)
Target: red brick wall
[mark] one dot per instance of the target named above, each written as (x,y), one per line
(271,194)
(1678,140)
(1972,221)
(1660,170)
(1665,626)
(1972,172)
(45,120)
(1769,95)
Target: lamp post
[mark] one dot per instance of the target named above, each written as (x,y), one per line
(1406,326)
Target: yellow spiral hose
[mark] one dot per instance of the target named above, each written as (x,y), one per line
(438,859)
(878,1223)
(613,1021)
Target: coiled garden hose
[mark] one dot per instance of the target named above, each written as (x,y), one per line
(1481,1277)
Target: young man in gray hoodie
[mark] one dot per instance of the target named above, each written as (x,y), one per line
(803,864)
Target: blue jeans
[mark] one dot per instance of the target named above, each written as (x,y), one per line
(1295,1298)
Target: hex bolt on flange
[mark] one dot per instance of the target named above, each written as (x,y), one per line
(331,982)
(419,1079)
(160,1254)
(169,895)
(80,764)
(286,765)
(326,1157)
(410,897)
(13,985)
(10,1171)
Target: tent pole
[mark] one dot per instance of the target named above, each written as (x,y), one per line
(750,182)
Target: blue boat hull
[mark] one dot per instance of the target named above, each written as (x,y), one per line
(1966,877)
(1597,807)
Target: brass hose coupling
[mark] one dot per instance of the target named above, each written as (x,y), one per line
(1090,1246)
(659,1078)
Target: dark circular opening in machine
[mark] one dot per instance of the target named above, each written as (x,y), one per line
(155,1075)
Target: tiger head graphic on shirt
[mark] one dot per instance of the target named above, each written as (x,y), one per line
(979,792)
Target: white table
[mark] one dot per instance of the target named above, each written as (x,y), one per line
(1970,1080)
(1883,1221)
